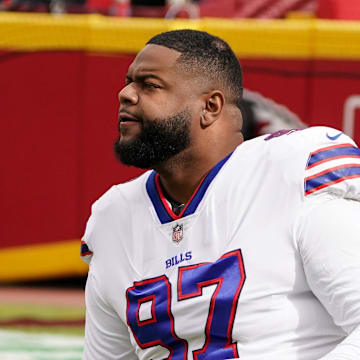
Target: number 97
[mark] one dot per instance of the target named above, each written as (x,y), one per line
(228,276)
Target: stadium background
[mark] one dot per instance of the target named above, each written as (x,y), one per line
(59,78)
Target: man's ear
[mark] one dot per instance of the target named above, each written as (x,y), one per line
(214,103)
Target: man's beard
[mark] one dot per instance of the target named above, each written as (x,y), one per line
(158,141)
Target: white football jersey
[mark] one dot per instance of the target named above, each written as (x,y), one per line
(262,263)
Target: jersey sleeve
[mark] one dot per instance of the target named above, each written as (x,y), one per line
(329,244)
(333,164)
(106,336)
(106,333)
(86,246)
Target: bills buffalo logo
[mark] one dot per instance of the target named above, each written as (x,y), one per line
(178,233)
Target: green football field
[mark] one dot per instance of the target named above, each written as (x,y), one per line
(41,332)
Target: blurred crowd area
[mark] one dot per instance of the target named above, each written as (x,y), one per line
(260,9)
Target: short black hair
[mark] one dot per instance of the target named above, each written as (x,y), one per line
(207,54)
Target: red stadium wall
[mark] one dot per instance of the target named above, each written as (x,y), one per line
(58,111)
(58,119)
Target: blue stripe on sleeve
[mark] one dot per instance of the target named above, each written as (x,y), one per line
(330,177)
(326,154)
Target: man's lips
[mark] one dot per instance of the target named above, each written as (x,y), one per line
(127,120)
(127,117)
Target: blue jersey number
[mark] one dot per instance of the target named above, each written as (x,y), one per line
(157,328)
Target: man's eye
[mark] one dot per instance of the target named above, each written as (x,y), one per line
(151,85)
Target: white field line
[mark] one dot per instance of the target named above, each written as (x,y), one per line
(16,345)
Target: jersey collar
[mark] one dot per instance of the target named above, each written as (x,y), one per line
(161,206)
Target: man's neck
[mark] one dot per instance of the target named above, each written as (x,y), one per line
(181,175)
(179,185)
(176,206)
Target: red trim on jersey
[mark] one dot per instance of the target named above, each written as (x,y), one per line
(331,183)
(86,253)
(171,317)
(333,158)
(330,148)
(343,166)
(199,287)
(219,281)
(165,203)
(236,297)
(153,316)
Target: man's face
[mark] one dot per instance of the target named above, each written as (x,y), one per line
(156,109)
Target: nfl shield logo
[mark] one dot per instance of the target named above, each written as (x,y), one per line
(177,234)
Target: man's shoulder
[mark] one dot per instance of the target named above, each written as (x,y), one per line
(325,160)
(317,159)
(314,135)
(288,143)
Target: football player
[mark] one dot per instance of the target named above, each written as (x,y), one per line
(227,248)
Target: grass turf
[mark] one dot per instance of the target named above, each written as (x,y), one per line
(20,317)
(45,312)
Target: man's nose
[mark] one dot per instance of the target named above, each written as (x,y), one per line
(128,94)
